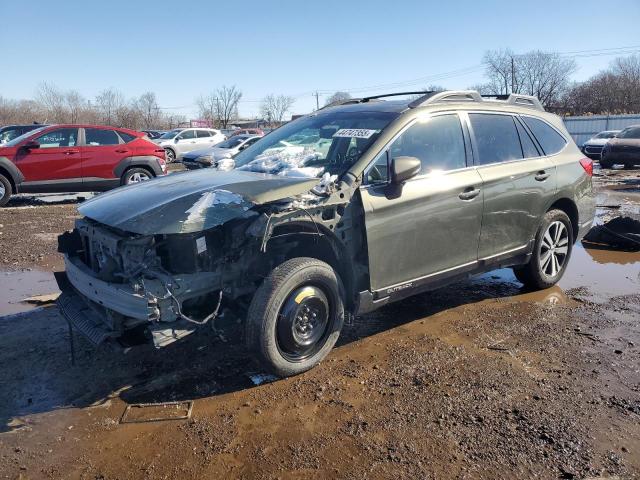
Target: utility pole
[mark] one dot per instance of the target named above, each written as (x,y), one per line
(513,76)
(317,95)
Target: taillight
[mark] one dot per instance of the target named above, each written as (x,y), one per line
(163,165)
(587,164)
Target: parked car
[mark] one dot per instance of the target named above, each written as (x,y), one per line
(153,134)
(592,148)
(10,132)
(410,196)
(248,131)
(623,149)
(179,141)
(209,157)
(72,158)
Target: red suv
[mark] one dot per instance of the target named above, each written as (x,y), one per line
(72,158)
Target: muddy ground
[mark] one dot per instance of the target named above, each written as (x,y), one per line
(476,380)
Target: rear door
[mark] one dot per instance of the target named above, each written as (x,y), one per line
(204,138)
(431,225)
(102,150)
(56,159)
(517,179)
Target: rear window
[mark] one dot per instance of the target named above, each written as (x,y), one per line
(496,138)
(96,137)
(630,132)
(126,137)
(548,138)
(529,148)
(203,133)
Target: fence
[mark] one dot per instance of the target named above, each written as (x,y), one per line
(583,128)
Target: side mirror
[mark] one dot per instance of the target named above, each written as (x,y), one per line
(30,145)
(404,168)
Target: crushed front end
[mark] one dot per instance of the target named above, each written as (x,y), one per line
(118,284)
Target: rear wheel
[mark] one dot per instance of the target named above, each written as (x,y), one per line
(135,175)
(551,252)
(5,190)
(295,316)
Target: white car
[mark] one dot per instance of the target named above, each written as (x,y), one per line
(592,148)
(209,157)
(179,141)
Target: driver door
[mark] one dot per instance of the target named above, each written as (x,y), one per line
(429,227)
(56,158)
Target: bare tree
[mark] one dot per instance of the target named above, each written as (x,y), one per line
(109,102)
(337,97)
(615,90)
(226,104)
(274,108)
(76,106)
(208,108)
(148,109)
(52,100)
(542,74)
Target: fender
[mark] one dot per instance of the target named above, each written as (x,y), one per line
(15,174)
(148,161)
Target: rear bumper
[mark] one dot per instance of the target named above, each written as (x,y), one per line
(583,228)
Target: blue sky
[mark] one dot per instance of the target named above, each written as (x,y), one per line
(182,49)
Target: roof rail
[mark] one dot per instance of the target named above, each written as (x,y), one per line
(473,96)
(351,101)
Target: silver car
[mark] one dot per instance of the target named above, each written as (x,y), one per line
(179,141)
(214,156)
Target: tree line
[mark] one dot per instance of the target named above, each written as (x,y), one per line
(546,75)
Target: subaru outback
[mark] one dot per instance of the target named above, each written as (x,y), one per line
(333,215)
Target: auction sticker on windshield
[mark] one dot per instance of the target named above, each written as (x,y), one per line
(354,133)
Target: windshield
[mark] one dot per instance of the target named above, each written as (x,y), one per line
(22,137)
(231,143)
(314,145)
(606,135)
(170,134)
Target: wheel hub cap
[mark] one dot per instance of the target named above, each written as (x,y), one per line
(138,177)
(303,322)
(2,190)
(554,249)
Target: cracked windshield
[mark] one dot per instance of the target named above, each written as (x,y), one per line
(327,143)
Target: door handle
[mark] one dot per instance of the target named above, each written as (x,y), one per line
(469,193)
(541,176)
(122,151)
(70,152)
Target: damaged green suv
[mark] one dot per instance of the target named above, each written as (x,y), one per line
(331,216)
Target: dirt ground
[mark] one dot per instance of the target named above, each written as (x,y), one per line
(476,380)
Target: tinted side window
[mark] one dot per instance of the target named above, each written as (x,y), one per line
(203,133)
(529,148)
(63,137)
(496,137)
(437,142)
(187,134)
(631,132)
(550,140)
(95,137)
(126,138)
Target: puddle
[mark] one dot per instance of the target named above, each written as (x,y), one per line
(16,286)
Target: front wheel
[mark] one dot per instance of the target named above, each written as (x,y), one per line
(295,317)
(551,252)
(170,155)
(604,163)
(5,190)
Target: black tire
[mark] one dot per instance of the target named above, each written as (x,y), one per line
(532,274)
(170,155)
(129,176)
(5,190)
(604,163)
(277,312)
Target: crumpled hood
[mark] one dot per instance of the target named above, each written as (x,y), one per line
(190,202)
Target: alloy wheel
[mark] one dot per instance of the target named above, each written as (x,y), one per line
(3,191)
(138,177)
(554,249)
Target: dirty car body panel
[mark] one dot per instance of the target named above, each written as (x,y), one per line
(171,255)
